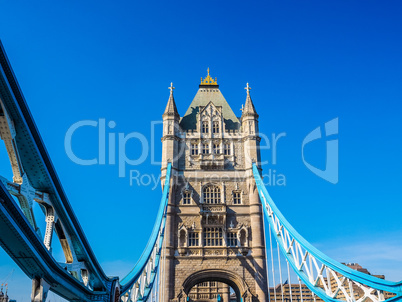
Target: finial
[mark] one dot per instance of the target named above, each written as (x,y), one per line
(209,80)
(171,88)
(248,88)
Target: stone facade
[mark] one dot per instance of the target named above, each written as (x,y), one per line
(214,228)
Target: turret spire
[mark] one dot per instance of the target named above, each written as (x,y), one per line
(249,106)
(171,108)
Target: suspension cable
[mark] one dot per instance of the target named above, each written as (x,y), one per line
(272,260)
(289,282)
(164,267)
(266,255)
(280,269)
(301,292)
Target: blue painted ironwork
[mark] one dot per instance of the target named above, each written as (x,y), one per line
(292,245)
(153,248)
(40,176)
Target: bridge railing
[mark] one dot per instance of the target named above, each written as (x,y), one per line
(325,277)
(139,283)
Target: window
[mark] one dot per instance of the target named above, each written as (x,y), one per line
(226,148)
(213,237)
(186,197)
(232,239)
(215,127)
(236,197)
(212,194)
(193,239)
(216,149)
(194,149)
(205,127)
(205,148)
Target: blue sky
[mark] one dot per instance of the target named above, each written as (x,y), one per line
(307,63)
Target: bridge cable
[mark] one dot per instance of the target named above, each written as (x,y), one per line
(301,292)
(164,267)
(289,282)
(272,260)
(312,294)
(266,255)
(159,281)
(280,269)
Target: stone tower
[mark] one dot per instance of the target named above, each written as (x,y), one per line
(214,225)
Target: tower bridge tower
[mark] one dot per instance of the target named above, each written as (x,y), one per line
(214,227)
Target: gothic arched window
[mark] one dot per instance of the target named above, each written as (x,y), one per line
(215,127)
(205,127)
(212,194)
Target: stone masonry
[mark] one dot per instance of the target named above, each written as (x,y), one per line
(214,225)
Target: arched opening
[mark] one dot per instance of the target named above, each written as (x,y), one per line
(211,291)
(213,275)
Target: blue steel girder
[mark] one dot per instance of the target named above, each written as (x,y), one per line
(24,246)
(39,171)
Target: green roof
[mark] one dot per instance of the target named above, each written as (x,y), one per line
(202,98)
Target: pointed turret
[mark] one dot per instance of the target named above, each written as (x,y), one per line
(249,122)
(171,130)
(249,108)
(171,108)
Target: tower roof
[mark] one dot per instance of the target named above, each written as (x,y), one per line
(171,108)
(249,108)
(209,92)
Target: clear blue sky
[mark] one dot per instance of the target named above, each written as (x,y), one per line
(307,63)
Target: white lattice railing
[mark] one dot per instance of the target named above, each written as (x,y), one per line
(325,277)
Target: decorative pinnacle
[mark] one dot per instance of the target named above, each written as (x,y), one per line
(171,88)
(209,80)
(248,88)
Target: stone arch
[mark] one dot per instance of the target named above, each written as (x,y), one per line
(219,275)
